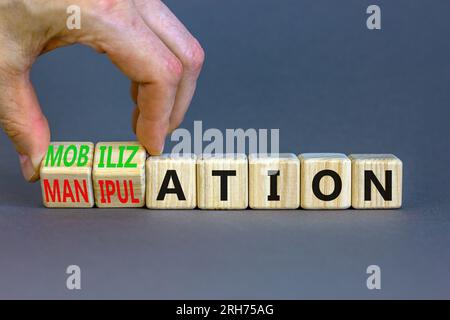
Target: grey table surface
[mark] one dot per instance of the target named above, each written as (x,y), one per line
(310,68)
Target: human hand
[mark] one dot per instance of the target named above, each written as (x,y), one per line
(142,37)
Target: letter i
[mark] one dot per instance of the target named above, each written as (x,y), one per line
(101,163)
(102,192)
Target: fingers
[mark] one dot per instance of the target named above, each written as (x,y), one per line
(185,47)
(163,60)
(155,71)
(24,123)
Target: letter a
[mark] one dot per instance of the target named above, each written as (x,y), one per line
(374,20)
(374,280)
(74,280)
(74,19)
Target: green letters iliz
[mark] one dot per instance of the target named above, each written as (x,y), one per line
(120,162)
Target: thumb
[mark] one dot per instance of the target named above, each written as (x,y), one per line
(22,119)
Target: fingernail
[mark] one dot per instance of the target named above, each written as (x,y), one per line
(29,170)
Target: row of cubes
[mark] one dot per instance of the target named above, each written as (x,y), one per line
(120,174)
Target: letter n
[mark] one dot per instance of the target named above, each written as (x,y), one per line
(369,178)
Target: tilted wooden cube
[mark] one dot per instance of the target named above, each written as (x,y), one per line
(274,181)
(222,181)
(119,174)
(325,181)
(66,175)
(171,181)
(376,181)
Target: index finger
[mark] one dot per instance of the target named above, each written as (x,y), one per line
(146,60)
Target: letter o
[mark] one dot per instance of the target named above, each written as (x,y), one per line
(337,185)
(69,163)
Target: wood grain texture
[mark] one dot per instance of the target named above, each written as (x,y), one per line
(311,165)
(174,172)
(119,177)
(379,164)
(285,171)
(210,194)
(65,181)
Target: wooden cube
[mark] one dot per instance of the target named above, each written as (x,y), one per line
(274,181)
(222,181)
(376,181)
(119,174)
(325,181)
(66,175)
(171,181)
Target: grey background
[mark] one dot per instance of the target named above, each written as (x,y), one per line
(310,68)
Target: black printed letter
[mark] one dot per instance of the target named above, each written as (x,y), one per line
(273,174)
(224,174)
(177,189)
(337,185)
(386,193)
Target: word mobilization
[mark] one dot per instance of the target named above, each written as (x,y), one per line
(119,174)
